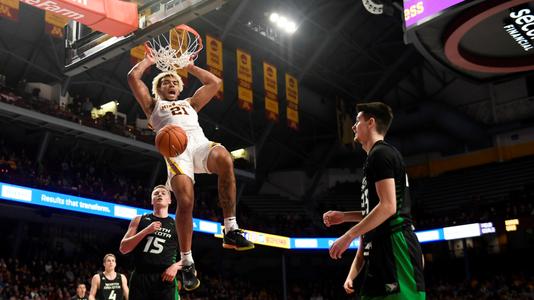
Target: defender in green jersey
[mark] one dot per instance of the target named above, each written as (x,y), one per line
(153,240)
(389,262)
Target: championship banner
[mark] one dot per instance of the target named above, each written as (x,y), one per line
(54,24)
(9,9)
(214,60)
(292,97)
(270,85)
(244,80)
(137,54)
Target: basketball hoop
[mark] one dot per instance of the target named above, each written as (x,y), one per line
(175,49)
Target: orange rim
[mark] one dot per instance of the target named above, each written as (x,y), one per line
(189,29)
(147,47)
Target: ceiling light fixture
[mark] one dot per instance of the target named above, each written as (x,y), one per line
(287,25)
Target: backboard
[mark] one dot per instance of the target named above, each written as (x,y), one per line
(85,48)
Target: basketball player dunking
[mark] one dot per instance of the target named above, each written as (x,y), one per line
(109,285)
(200,156)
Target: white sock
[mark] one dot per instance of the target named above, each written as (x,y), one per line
(230,224)
(187,258)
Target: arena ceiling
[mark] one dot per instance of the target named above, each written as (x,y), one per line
(339,51)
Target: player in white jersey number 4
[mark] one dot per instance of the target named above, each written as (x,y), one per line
(200,156)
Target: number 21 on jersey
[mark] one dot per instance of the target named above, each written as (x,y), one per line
(179,110)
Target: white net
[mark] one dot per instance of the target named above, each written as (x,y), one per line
(176,49)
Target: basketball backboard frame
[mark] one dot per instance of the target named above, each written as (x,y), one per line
(155,17)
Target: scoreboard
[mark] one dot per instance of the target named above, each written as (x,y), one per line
(416,12)
(482,40)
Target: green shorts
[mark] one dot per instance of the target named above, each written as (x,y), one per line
(393,268)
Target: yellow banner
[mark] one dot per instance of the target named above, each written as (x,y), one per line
(179,40)
(54,24)
(292,89)
(10,3)
(219,74)
(9,9)
(55,19)
(270,79)
(292,116)
(265,239)
(184,74)
(214,53)
(54,31)
(214,60)
(244,65)
(138,52)
(292,97)
(271,105)
(245,96)
(270,84)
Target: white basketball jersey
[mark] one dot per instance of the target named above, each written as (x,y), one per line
(178,112)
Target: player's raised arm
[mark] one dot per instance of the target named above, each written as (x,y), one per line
(210,86)
(138,87)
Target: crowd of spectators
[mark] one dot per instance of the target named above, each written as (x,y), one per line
(38,276)
(51,260)
(54,280)
(42,279)
(499,286)
(76,173)
(79,173)
(517,204)
(77,111)
(57,280)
